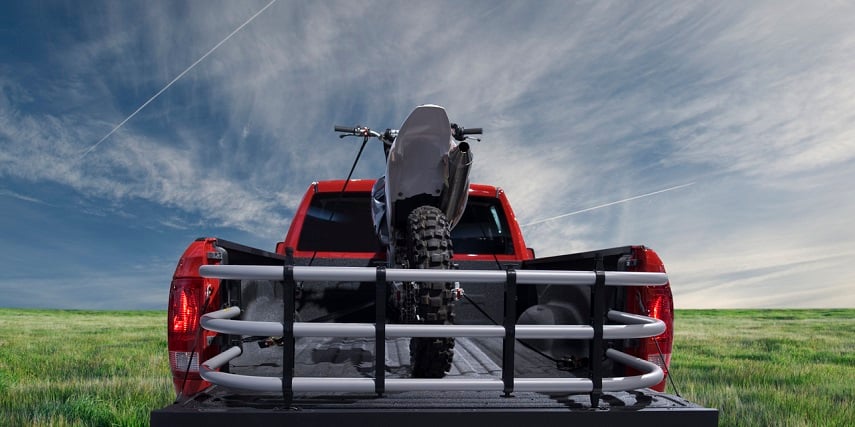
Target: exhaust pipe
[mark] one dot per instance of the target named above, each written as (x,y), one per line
(455,192)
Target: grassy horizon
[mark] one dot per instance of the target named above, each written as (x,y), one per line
(768,367)
(82,367)
(758,367)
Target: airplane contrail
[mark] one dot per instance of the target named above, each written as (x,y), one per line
(607,204)
(202,58)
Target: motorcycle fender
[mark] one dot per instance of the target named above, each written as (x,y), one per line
(418,158)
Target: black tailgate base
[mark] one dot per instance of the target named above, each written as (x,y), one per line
(659,417)
(464,409)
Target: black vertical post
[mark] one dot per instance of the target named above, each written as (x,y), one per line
(289,306)
(380,332)
(509,322)
(598,303)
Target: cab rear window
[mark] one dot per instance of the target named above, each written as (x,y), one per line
(339,223)
(342,223)
(483,229)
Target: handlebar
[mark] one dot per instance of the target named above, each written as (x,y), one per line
(457,132)
(345,129)
(357,131)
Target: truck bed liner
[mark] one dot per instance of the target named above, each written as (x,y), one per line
(354,357)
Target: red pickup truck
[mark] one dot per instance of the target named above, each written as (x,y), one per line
(302,335)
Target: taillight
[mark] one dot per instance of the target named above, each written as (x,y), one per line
(656,302)
(185,312)
(185,340)
(190,296)
(659,305)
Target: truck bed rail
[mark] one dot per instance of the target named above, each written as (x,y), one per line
(636,327)
(369,274)
(653,374)
(632,326)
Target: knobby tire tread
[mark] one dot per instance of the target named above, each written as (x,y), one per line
(429,243)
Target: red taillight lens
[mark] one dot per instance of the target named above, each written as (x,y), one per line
(190,296)
(187,344)
(184,313)
(658,349)
(656,302)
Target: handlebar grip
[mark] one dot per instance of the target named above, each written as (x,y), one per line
(345,129)
(473,131)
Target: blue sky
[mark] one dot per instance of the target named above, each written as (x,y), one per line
(584,104)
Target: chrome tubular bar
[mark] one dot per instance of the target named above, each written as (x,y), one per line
(369,274)
(651,375)
(635,326)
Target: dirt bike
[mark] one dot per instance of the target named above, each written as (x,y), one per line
(415,205)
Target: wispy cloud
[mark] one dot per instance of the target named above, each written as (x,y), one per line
(580,102)
(180,75)
(9,193)
(605,205)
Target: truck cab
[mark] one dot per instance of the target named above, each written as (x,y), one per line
(334,221)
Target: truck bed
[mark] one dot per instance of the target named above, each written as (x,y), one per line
(354,357)
(474,357)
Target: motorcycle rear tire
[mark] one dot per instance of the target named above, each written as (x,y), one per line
(429,247)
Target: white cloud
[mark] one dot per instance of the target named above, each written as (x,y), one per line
(132,166)
(583,105)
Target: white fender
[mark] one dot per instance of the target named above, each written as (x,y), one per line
(418,158)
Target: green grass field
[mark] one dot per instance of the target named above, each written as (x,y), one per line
(768,367)
(759,367)
(82,367)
